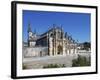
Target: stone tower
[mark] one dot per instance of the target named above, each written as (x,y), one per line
(31,36)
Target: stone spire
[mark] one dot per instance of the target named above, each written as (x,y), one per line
(66,35)
(61,31)
(29,28)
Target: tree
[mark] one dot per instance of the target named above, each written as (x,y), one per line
(81,61)
(87,45)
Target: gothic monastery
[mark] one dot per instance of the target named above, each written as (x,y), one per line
(50,43)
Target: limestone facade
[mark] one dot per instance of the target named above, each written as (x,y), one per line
(53,42)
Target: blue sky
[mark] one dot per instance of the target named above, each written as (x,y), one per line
(75,24)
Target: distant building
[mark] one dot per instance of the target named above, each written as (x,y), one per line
(80,46)
(53,42)
(84,46)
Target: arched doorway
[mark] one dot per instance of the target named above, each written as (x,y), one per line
(59,49)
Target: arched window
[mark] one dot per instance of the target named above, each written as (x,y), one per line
(59,35)
(51,35)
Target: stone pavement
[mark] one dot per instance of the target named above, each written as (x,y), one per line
(39,62)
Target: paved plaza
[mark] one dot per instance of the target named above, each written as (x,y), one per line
(39,62)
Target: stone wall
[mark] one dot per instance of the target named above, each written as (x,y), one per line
(35,51)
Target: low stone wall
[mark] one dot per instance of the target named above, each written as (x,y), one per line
(35,51)
(83,51)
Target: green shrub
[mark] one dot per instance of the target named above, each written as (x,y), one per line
(81,61)
(54,66)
